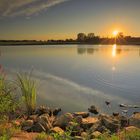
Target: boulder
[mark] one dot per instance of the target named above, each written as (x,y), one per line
(93,109)
(63,120)
(43,110)
(135,120)
(89,121)
(27,125)
(123,121)
(56,111)
(44,120)
(115,114)
(57,130)
(110,123)
(37,127)
(33,117)
(83,114)
(95,134)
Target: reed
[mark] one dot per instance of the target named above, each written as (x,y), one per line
(28,89)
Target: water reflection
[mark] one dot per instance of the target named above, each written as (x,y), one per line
(83,50)
(114,50)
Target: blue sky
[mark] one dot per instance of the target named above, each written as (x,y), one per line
(60,19)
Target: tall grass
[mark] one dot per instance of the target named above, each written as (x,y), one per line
(7,98)
(28,89)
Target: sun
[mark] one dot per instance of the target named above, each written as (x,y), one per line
(115,32)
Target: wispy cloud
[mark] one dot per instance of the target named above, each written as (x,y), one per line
(11,8)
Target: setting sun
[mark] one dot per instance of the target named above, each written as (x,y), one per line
(115,33)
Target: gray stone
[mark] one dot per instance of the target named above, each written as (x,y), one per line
(83,114)
(135,120)
(95,134)
(57,130)
(110,123)
(93,109)
(26,125)
(63,120)
(89,121)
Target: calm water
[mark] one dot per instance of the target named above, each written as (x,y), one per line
(74,77)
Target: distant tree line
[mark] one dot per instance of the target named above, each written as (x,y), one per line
(82,38)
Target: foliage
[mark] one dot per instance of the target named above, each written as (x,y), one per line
(7,130)
(7,98)
(41,136)
(28,88)
(133,135)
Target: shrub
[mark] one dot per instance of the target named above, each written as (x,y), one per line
(28,88)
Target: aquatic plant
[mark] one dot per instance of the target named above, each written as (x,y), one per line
(28,89)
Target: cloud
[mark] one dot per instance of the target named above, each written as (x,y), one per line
(11,8)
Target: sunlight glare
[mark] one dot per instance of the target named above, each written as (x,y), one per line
(115,33)
(114,50)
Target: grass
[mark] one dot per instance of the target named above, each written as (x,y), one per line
(7,98)
(28,88)
(41,136)
(7,130)
(131,135)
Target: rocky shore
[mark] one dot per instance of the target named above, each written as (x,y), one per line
(78,125)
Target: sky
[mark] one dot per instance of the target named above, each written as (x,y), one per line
(61,19)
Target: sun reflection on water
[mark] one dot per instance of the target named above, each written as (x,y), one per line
(114,50)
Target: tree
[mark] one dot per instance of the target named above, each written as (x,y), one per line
(81,37)
(90,36)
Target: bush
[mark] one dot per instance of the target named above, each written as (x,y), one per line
(8,102)
(28,89)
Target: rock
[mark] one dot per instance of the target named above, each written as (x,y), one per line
(83,114)
(56,111)
(95,127)
(63,120)
(43,110)
(131,128)
(115,114)
(93,109)
(107,103)
(135,120)
(37,127)
(123,105)
(110,123)
(84,134)
(95,134)
(57,130)
(78,119)
(78,138)
(89,121)
(33,117)
(44,120)
(124,121)
(26,125)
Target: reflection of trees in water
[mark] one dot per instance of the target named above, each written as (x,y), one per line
(86,51)
(81,50)
(90,50)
